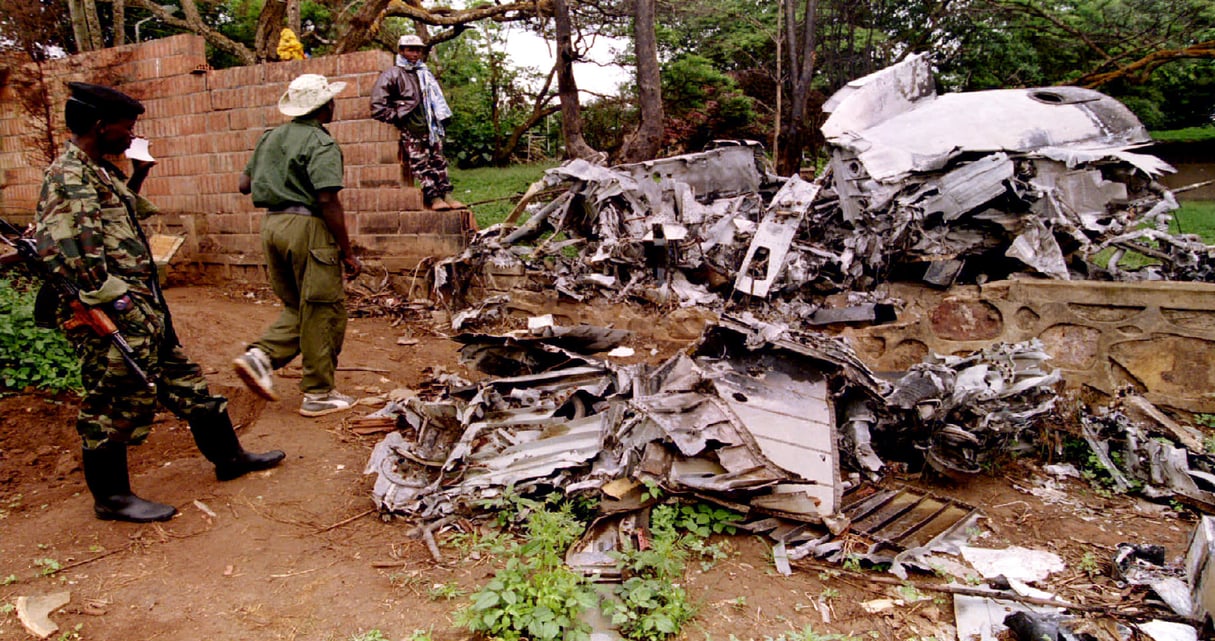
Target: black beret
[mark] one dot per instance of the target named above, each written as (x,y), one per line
(110,103)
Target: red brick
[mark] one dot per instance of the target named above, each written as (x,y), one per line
(227,222)
(324,65)
(282,72)
(175,165)
(177,65)
(377,223)
(364,61)
(353,108)
(356,201)
(376,176)
(194,124)
(238,77)
(403,199)
(248,118)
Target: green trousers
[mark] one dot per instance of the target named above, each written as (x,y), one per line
(306,273)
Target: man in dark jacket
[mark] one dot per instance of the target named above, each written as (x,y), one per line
(408,97)
(87,231)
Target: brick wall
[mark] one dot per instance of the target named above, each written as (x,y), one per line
(202,127)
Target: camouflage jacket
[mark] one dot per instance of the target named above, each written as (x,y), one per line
(84,230)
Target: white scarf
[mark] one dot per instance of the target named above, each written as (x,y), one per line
(432,98)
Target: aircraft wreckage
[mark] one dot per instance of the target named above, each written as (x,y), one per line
(998,203)
(950,244)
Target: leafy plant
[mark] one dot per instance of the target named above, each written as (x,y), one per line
(370,635)
(49,566)
(1089,565)
(651,605)
(649,608)
(535,595)
(652,491)
(445,591)
(29,355)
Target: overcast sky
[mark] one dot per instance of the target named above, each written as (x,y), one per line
(527,49)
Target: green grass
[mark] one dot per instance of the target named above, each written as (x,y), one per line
(1194,217)
(491,192)
(1189,134)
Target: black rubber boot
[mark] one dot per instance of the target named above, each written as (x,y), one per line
(105,472)
(217,441)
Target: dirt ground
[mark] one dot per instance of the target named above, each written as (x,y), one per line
(297,553)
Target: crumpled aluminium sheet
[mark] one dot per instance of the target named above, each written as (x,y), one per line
(756,416)
(747,417)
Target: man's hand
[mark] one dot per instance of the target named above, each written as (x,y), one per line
(141,166)
(353,266)
(139,171)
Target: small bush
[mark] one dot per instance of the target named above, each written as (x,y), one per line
(31,356)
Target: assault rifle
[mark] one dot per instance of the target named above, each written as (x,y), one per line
(94,318)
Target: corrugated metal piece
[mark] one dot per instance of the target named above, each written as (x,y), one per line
(905,518)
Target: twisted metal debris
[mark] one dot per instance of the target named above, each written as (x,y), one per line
(945,189)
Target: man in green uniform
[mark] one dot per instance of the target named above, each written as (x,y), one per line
(87,231)
(295,174)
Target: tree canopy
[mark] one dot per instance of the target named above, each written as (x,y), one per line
(715,68)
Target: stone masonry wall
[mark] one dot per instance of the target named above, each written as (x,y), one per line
(202,126)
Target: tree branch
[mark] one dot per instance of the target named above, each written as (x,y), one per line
(451,18)
(1139,70)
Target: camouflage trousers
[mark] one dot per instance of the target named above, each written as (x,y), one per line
(427,165)
(117,406)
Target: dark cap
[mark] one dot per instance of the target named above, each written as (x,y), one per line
(109,103)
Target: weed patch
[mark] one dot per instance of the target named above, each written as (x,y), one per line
(31,356)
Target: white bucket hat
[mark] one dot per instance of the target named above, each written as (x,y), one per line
(410,40)
(308,93)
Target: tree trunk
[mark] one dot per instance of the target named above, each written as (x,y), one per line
(357,31)
(801,71)
(90,15)
(120,22)
(269,26)
(567,87)
(646,143)
(293,16)
(86,28)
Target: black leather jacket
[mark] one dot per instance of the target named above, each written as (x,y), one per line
(396,99)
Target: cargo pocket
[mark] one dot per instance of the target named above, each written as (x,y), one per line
(323,278)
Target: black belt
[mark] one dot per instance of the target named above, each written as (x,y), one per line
(290,209)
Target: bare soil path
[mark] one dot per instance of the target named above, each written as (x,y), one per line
(295,552)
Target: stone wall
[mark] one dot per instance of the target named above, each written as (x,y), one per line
(202,125)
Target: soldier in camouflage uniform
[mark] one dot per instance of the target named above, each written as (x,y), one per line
(87,231)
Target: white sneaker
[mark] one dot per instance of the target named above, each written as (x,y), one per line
(254,368)
(325,403)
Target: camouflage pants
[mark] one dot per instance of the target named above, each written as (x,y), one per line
(117,406)
(427,165)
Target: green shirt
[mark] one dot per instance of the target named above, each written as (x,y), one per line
(291,163)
